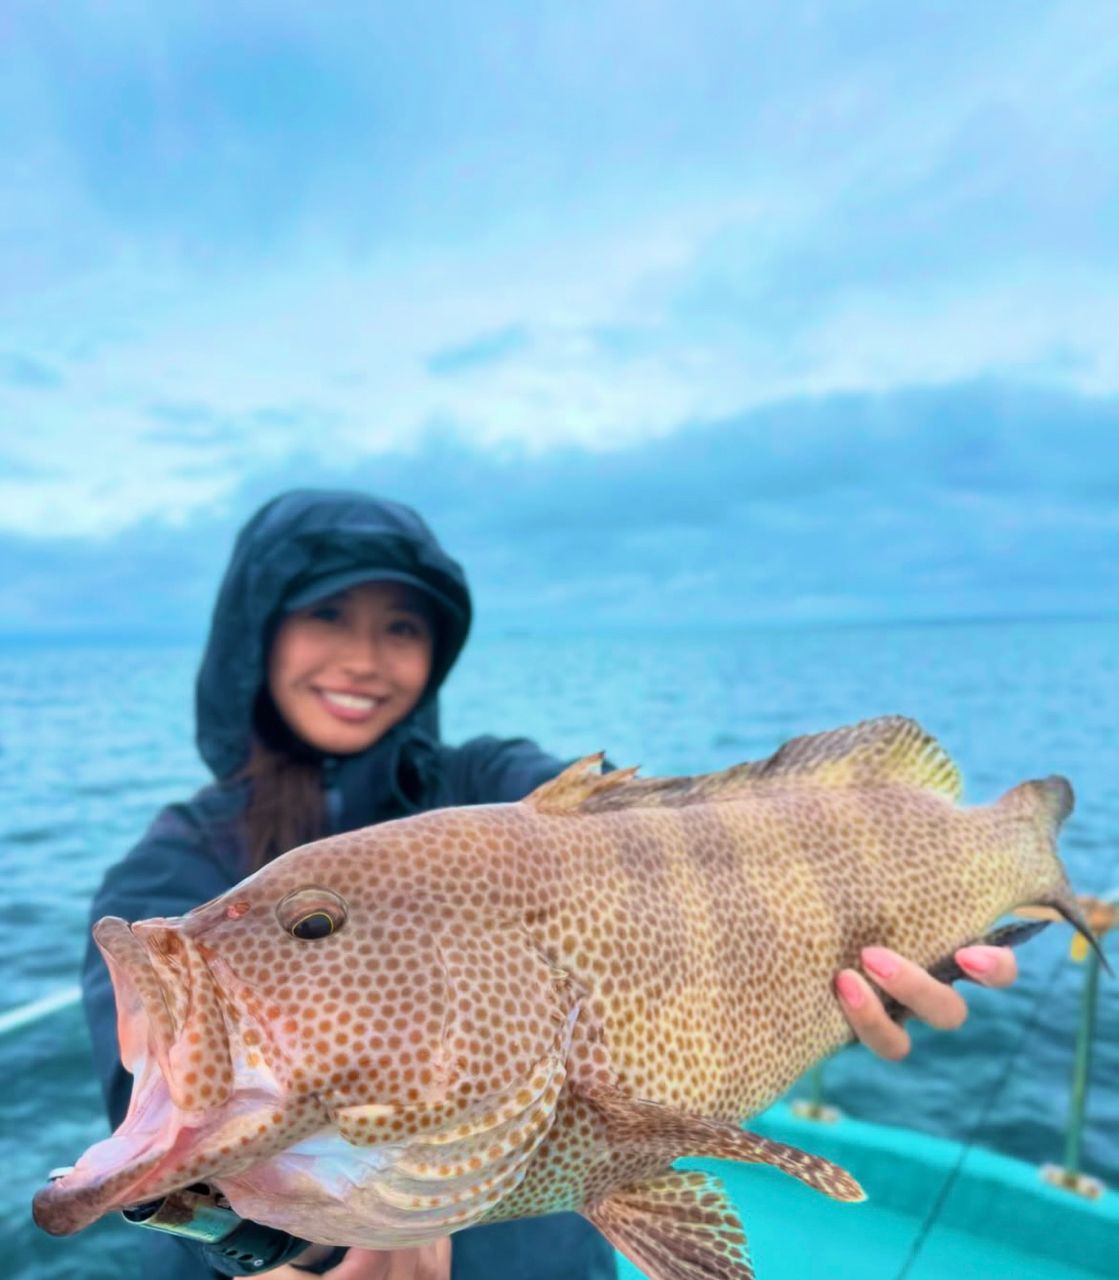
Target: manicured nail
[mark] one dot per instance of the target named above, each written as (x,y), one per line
(975,960)
(880,962)
(850,990)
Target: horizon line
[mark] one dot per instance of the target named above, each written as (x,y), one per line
(154,636)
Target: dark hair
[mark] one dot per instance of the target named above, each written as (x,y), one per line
(285,805)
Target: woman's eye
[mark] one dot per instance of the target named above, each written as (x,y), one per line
(319,924)
(405,627)
(325,613)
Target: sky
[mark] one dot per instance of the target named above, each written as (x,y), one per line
(656,311)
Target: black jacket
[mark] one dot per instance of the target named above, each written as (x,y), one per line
(194,851)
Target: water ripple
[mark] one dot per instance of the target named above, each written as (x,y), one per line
(33,835)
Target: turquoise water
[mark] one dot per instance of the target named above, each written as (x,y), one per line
(95,738)
(796,1234)
(935,1209)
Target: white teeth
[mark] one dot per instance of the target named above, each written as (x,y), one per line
(350,701)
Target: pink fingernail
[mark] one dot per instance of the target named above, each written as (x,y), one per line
(850,990)
(974,960)
(880,962)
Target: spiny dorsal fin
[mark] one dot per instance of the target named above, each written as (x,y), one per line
(874,753)
(570,790)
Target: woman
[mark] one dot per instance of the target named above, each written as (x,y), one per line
(337,621)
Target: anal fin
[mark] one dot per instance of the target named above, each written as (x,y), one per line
(677,1226)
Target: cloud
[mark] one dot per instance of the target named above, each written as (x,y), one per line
(27,372)
(486,349)
(16,469)
(256,237)
(980,499)
(186,423)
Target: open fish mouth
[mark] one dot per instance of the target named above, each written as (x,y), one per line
(104,1177)
(173,1041)
(168,1006)
(146,1003)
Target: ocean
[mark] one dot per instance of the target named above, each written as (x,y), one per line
(95,738)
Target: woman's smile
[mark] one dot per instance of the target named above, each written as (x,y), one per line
(348,705)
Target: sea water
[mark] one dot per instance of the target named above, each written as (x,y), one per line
(94,738)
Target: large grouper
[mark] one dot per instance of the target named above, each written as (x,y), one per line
(485,1013)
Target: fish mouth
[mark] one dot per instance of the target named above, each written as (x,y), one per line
(167,1004)
(104,1177)
(145,999)
(169,1008)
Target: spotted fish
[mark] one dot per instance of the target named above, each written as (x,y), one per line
(486,1013)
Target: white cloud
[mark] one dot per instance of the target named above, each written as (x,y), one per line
(874,215)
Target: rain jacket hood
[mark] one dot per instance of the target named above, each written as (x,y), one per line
(292,542)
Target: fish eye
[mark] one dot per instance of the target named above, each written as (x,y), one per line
(311,914)
(317,925)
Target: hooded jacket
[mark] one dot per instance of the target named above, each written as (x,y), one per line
(195,850)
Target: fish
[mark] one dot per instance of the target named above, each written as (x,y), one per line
(477,1014)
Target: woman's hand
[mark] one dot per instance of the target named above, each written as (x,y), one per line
(934,1002)
(428,1262)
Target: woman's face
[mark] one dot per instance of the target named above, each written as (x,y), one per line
(344,670)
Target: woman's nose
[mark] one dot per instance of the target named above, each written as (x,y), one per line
(362,653)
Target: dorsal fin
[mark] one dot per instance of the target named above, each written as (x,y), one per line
(570,790)
(888,751)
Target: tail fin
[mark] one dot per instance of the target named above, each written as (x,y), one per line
(1052,799)
(1070,909)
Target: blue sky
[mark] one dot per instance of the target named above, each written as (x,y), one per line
(767,312)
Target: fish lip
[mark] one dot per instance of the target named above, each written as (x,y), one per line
(57,1215)
(168,999)
(141,984)
(168,1003)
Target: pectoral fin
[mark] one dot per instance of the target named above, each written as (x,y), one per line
(649,1126)
(678,1226)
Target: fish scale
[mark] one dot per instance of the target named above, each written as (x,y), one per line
(539,1006)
